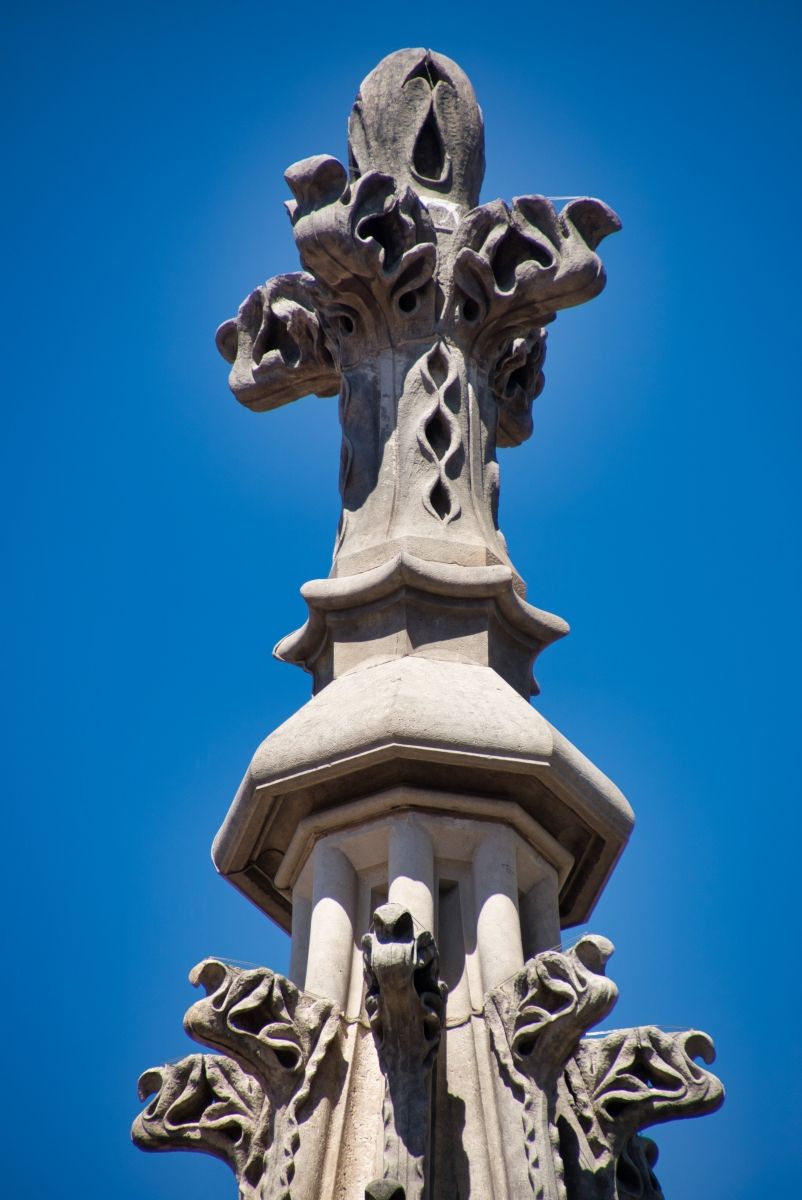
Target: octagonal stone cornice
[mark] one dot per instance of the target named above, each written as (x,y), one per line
(418,722)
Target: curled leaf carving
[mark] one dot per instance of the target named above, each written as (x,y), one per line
(536,1022)
(241,1106)
(558,996)
(644,1076)
(276,346)
(206,1103)
(261,1019)
(634,1171)
(516,381)
(514,268)
(587,1099)
(370,246)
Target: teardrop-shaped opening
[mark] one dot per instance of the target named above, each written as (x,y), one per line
(440,501)
(429,156)
(438,366)
(438,435)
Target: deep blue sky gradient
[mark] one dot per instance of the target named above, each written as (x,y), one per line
(157,534)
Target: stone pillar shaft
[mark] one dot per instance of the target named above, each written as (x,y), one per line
(410,870)
(498,926)
(331,932)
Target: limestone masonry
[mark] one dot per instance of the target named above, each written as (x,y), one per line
(420,829)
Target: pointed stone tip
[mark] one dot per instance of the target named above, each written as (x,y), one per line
(148,1084)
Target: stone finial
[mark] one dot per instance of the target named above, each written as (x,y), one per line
(416,118)
(427,312)
(424,309)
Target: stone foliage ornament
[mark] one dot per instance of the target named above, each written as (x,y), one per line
(419,783)
(586,1099)
(243,1105)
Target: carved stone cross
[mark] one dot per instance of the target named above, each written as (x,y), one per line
(425,310)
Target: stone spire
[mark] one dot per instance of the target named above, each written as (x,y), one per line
(419,828)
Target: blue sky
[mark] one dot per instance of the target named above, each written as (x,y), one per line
(157,534)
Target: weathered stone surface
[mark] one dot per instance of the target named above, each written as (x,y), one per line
(428,314)
(585,1100)
(242,1107)
(419,784)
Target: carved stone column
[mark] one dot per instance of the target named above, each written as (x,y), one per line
(418,795)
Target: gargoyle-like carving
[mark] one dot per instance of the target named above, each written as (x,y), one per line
(586,1099)
(405,1003)
(243,1108)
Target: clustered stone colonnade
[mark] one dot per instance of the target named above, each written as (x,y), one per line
(420,828)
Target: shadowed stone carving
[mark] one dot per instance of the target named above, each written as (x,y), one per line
(405,1002)
(276,337)
(585,1100)
(404,271)
(243,1108)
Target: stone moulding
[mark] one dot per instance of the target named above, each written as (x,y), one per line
(241,1106)
(339,602)
(586,1099)
(406,800)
